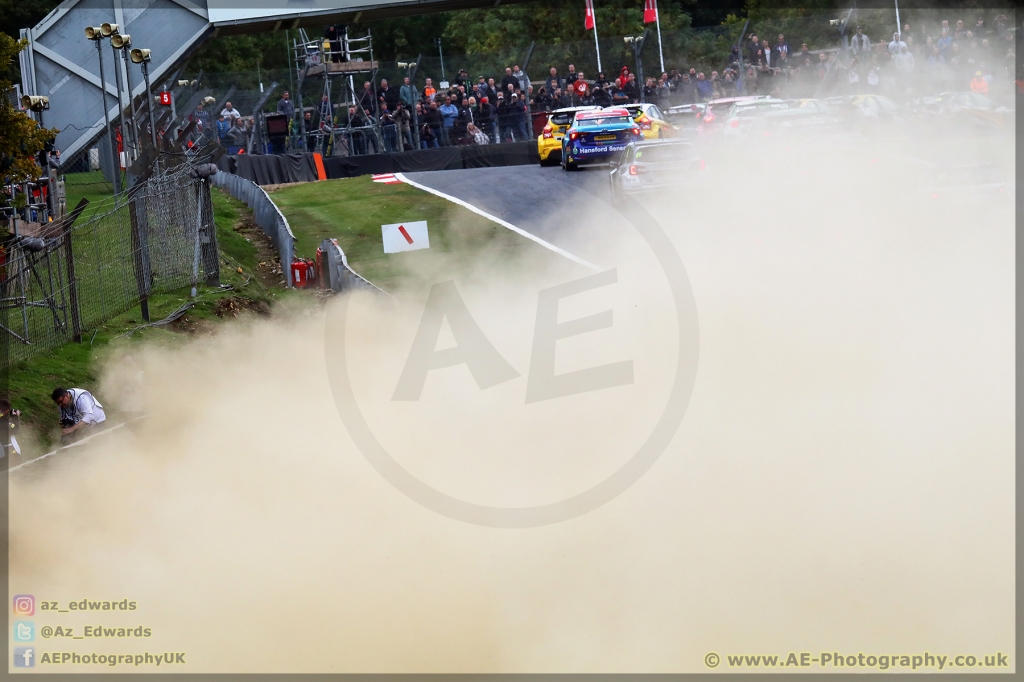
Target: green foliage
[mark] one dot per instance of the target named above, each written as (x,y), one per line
(244,53)
(22,137)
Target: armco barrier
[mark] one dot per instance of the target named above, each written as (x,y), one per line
(267,215)
(339,276)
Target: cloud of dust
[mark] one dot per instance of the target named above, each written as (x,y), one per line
(842,479)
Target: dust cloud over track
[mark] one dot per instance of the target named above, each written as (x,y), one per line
(842,479)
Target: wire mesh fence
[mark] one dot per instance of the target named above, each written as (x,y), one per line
(61,279)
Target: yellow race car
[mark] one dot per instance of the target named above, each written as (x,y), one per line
(549,142)
(652,121)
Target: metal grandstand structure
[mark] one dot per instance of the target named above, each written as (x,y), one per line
(335,61)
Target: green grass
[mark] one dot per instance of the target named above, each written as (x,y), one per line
(352,211)
(91,186)
(79,364)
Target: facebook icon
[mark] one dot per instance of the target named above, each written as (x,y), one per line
(24,657)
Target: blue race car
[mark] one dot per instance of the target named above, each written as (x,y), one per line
(598,137)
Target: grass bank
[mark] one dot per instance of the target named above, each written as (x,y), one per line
(352,211)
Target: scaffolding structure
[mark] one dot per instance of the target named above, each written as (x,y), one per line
(338,62)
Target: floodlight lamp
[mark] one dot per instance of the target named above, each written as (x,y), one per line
(121,41)
(93,32)
(107,29)
(35,103)
(140,55)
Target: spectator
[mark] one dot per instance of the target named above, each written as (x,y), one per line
(428,90)
(780,53)
(486,118)
(230,112)
(403,120)
(202,119)
(286,106)
(904,60)
(579,87)
(334,34)
(752,49)
(553,82)
(860,43)
(492,91)
(979,84)
(650,91)
(520,78)
(461,77)
(945,45)
(367,100)
(449,112)
(704,89)
(388,127)
(476,135)
(686,91)
(632,89)
(508,79)
(388,95)
(734,56)
(408,94)
(435,121)
(544,100)
(601,96)
(223,126)
(519,118)
(896,46)
(80,413)
(619,96)
(504,119)
(460,129)
(601,81)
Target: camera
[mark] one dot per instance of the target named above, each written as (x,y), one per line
(66,423)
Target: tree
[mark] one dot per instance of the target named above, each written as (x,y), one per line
(22,137)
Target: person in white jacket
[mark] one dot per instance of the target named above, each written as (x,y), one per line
(79,412)
(860,43)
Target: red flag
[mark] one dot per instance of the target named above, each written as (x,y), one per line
(650,11)
(589,24)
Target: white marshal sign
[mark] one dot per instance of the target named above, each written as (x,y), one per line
(405,236)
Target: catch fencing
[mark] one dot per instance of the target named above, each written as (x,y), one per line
(266,214)
(63,279)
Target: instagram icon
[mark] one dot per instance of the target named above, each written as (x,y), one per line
(24,605)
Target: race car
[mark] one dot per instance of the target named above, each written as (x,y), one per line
(653,165)
(549,142)
(652,121)
(598,136)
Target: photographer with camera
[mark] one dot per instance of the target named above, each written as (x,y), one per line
(10,422)
(80,412)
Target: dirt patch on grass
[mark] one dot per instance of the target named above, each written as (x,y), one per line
(233,306)
(268,269)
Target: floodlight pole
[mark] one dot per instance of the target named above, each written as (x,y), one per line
(116,170)
(152,121)
(131,96)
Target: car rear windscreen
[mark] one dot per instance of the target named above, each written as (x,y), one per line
(666,153)
(603,120)
(562,119)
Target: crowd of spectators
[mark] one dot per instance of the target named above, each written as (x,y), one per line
(497,108)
